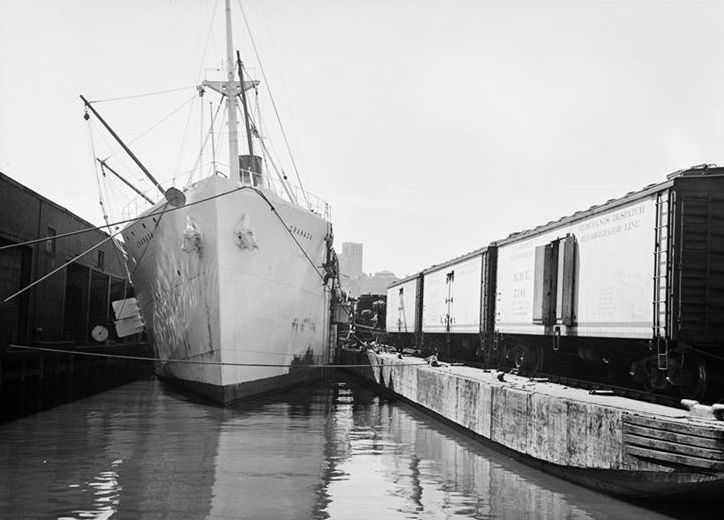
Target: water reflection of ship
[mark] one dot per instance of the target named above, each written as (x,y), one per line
(271,456)
(132,451)
(419,466)
(320,452)
(169,466)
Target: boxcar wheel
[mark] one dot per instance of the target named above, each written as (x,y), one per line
(492,357)
(653,380)
(696,385)
(527,358)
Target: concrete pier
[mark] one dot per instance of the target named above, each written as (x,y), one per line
(604,441)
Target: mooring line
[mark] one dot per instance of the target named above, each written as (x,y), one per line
(196,362)
(59,268)
(146,216)
(126,221)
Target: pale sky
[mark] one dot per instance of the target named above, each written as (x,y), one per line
(431,127)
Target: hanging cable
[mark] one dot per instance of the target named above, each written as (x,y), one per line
(304,252)
(126,221)
(116,245)
(217,363)
(62,266)
(209,134)
(222,124)
(208,38)
(200,159)
(151,214)
(95,166)
(258,112)
(265,152)
(274,155)
(271,97)
(140,259)
(161,121)
(183,143)
(135,96)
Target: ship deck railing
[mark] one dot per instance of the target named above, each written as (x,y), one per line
(291,193)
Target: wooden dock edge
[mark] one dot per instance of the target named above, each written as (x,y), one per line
(35,380)
(609,448)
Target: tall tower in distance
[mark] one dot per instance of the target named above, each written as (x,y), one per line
(353,280)
(350,261)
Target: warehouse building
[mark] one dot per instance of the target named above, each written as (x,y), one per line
(68,305)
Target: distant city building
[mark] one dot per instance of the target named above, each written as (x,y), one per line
(354,280)
(350,261)
(376,283)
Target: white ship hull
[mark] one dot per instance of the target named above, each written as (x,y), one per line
(224,281)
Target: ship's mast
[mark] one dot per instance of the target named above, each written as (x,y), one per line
(231,100)
(243,104)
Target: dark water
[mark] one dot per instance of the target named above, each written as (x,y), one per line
(335,450)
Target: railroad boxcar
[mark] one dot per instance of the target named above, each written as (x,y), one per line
(634,287)
(451,304)
(448,306)
(403,312)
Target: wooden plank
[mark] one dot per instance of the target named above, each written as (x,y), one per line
(673,458)
(708,430)
(680,438)
(673,447)
(605,435)
(579,439)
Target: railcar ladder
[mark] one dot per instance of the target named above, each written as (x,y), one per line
(401,316)
(449,319)
(449,281)
(661,278)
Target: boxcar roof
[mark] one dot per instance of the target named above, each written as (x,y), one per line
(437,267)
(583,214)
(456,260)
(694,171)
(578,215)
(403,281)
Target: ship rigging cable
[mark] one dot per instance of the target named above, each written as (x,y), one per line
(110,237)
(271,97)
(147,94)
(57,269)
(209,133)
(101,185)
(198,362)
(155,125)
(95,168)
(138,263)
(119,222)
(270,160)
(208,38)
(183,141)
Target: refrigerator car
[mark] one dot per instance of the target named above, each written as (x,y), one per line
(632,288)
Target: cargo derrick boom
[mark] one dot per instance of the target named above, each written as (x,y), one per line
(632,289)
